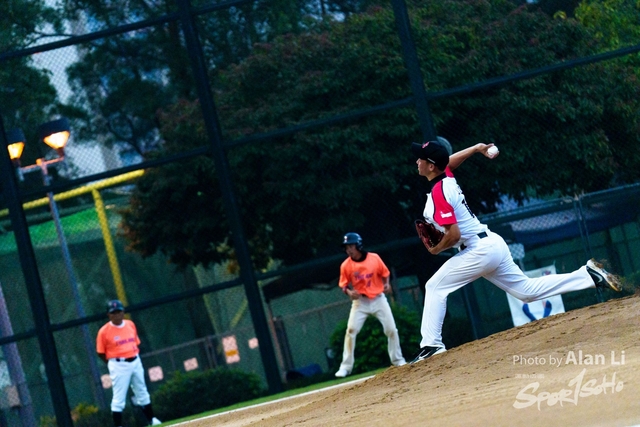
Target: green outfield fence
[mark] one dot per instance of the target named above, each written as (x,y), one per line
(219,150)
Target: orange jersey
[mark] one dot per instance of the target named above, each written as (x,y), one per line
(365,276)
(118,341)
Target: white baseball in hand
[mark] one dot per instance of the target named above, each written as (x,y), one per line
(493,151)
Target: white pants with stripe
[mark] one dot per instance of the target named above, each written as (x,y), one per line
(122,375)
(489,258)
(360,310)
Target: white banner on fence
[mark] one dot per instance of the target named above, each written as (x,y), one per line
(522,313)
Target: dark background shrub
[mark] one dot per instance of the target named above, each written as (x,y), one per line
(86,415)
(371,342)
(199,391)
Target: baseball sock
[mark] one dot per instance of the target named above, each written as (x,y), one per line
(148,412)
(117,419)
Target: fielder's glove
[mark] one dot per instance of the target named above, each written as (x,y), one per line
(428,233)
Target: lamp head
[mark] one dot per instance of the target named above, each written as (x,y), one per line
(15,141)
(55,134)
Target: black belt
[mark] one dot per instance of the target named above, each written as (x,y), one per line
(480,235)
(122,359)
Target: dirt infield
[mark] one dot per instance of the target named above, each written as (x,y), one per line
(580,368)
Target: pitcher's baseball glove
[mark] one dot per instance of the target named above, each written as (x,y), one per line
(428,233)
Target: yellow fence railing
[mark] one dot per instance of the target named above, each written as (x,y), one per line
(94,189)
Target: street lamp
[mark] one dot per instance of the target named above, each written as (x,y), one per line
(56,135)
(16,145)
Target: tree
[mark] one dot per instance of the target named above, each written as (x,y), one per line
(27,97)
(614,22)
(560,133)
(122,81)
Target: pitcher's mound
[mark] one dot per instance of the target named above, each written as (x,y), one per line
(580,368)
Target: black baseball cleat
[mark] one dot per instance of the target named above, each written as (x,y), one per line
(601,277)
(426,352)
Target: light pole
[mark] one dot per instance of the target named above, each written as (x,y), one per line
(14,366)
(56,134)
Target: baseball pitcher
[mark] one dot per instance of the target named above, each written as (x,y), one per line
(482,253)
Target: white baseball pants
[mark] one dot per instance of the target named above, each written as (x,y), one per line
(360,310)
(489,258)
(122,375)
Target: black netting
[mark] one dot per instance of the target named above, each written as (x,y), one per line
(216,158)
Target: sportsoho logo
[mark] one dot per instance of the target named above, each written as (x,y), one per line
(577,388)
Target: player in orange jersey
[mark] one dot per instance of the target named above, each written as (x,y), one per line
(369,279)
(117,345)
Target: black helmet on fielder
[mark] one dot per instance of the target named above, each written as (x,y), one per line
(114,305)
(352,239)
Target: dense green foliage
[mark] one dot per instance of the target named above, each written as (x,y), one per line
(560,133)
(371,343)
(614,22)
(199,391)
(22,22)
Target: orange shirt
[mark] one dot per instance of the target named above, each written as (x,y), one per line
(365,276)
(118,341)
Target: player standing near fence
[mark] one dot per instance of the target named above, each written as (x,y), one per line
(369,279)
(482,252)
(117,345)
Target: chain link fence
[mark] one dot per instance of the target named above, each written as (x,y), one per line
(285,126)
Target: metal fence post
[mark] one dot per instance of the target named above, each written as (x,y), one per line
(14,365)
(426,125)
(247,274)
(34,286)
(413,69)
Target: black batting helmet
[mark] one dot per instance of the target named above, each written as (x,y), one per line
(352,239)
(114,305)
